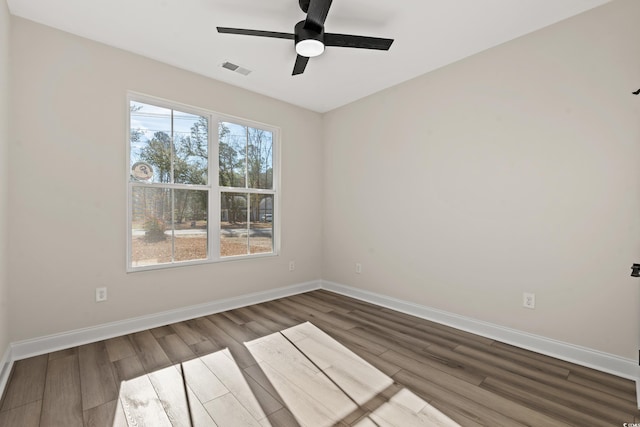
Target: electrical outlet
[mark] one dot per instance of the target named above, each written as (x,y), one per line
(292,265)
(101,294)
(529,300)
(358,268)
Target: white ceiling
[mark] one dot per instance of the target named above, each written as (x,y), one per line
(428,35)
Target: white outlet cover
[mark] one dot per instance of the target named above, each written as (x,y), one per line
(529,300)
(101,294)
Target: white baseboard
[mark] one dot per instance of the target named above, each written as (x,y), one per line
(638,389)
(605,362)
(5,369)
(50,343)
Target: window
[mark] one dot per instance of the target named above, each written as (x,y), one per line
(185,208)
(246,189)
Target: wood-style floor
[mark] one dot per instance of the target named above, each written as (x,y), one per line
(353,364)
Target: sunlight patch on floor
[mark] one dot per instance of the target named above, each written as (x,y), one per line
(206,391)
(323,383)
(299,371)
(406,409)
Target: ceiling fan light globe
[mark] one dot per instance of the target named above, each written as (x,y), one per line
(309,48)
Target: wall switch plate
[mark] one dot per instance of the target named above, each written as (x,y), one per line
(529,300)
(101,294)
(358,268)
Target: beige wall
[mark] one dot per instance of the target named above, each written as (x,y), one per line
(68,200)
(516,170)
(4,164)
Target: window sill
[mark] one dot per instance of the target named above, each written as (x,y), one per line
(236,258)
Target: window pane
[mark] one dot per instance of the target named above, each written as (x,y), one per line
(150,232)
(168,225)
(150,143)
(190,225)
(234,233)
(232,154)
(261,225)
(167,143)
(191,148)
(260,158)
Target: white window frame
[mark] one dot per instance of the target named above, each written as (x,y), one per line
(213,187)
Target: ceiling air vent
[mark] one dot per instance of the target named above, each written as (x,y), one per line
(238,69)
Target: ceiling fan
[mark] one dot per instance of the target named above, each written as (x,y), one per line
(310,38)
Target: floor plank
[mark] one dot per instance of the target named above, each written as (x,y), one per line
(407,409)
(237,350)
(545,405)
(141,404)
(355,377)
(26,384)
(110,414)
(175,348)
(281,418)
(177,402)
(96,375)
(226,369)
(228,411)
(127,369)
(22,416)
(62,401)
(119,348)
(188,333)
(459,407)
(202,381)
(149,351)
(311,395)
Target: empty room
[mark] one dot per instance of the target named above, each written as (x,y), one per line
(319,213)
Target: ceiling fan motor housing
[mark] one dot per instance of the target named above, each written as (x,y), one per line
(309,42)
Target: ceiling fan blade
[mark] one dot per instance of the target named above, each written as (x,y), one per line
(317,14)
(301,64)
(360,42)
(244,32)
